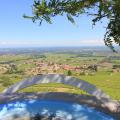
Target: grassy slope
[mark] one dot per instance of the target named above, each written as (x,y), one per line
(108,82)
(53,87)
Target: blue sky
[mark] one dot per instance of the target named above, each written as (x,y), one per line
(15,31)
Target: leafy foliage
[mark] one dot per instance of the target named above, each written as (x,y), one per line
(69,73)
(45,10)
(113,28)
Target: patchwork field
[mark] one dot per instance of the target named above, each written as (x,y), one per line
(98,68)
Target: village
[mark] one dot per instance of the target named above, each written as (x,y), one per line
(43,67)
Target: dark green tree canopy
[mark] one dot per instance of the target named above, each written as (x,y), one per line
(45,10)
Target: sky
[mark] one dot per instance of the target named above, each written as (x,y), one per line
(16,31)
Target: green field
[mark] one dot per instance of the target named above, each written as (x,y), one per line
(108,82)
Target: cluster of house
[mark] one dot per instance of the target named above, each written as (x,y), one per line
(43,67)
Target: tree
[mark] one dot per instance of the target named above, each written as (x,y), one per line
(13,68)
(93,68)
(69,73)
(44,10)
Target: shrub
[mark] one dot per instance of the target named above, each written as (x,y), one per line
(69,73)
(116,66)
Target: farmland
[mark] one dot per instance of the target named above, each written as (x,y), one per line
(96,66)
